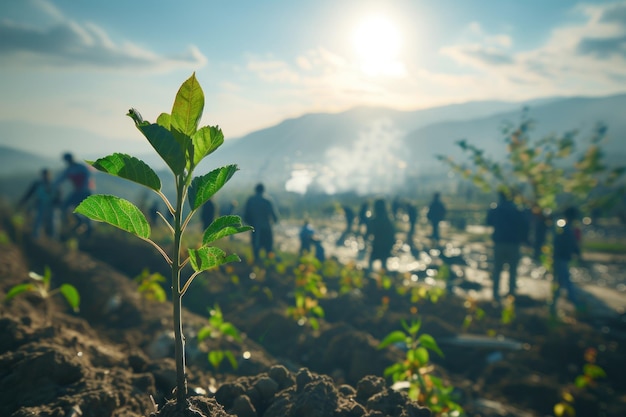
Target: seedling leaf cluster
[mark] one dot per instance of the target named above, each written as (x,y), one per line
(182,145)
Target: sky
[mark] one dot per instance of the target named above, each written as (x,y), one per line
(83,64)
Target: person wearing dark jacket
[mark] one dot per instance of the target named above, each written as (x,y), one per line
(259,213)
(566,247)
(509,232)
(436,213)
(380,227)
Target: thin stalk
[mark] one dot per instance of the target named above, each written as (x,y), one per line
(179,340)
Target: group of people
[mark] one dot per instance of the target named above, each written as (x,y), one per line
(45,194)
(511,228)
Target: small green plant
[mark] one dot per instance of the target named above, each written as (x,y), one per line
(40,285)
(474,312)
(416,369)
(591,372)
(150,286)
(182,146)
(309,289)
(218,328)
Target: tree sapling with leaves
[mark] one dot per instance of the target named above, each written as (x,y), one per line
(182,145)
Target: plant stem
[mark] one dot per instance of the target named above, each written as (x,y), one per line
(179,340)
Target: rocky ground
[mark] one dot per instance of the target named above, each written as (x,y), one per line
(114,357)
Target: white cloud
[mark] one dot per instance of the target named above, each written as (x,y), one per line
(64,43)
(582,58)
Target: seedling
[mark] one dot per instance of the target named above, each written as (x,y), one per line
(150,286)
(416,370)
(41,286)
(218,328)
(591,372)
(310,288)
(182,146)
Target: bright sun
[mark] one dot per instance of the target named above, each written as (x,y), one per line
(377,43)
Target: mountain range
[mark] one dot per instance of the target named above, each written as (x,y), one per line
(366,149)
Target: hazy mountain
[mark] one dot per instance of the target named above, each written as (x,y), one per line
(14,161)
(374,150)
(366,149)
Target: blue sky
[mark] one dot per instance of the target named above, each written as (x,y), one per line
(83,64)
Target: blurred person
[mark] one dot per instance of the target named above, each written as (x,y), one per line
(46,197)
(349,216)
(436,213)
(364,216)
(259,213)
(509,232)
(381,228)
(306,236)
(82,183)
(411,211)
(207,213)
(567,244)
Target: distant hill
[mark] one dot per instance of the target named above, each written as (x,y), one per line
(374,150)
(15,161)
(366,149)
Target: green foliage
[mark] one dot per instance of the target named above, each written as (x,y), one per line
(591,372)
(540,170)
(150,285)
(309,289)
(182,146)
(41,286)
(218,328)
(416,369)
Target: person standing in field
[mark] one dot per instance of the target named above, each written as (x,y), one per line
(567,239)
(509,232)
(207,214)
(436,213)
(381,228)
(259,213)
(46,198)
(82,183)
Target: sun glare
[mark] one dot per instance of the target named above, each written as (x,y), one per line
(378,43)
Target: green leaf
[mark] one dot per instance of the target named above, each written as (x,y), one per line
(318,311)
(216,357)
(19,289)
(581,381)
(188,106)
(130,168)
(71,296)
(205,141)
(165,120)
(116,212)
(421,355)
(206,258)
(204,187)
(396,368)
(228,329)
(204,333)
(429,342)
(163,141)
(315,324)
(396,336)
(231,358)
(223,226)
(593,371)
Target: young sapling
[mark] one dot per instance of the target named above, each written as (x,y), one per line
(181,144)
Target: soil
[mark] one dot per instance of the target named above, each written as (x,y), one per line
(115,356)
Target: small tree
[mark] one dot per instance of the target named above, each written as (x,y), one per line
(542,170)
(182,145)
